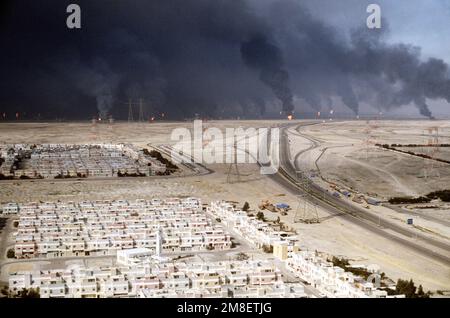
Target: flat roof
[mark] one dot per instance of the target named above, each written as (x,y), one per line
(132,251)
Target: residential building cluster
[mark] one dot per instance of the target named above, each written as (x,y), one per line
(313,268)
(152,278)
(62,161)
(256,232)
(139,233)
(332,281)
(58,229)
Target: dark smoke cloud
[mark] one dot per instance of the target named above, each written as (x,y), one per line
(266,57)
(213,58)
(322,63)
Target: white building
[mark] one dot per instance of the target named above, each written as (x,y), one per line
(104,227)
(133,256)
(331,280)
(10,208)
(151,278)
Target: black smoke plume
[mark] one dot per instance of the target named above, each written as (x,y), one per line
(267,58)
(218,58)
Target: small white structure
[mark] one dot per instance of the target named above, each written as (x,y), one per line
(10,208)
(133,256)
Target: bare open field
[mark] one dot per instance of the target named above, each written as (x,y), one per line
(345,160)
(344,154)
(349,157)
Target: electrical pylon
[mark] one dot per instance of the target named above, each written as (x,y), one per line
(306,211)
(130,111)
(141,111)
(234,164)
(432,150)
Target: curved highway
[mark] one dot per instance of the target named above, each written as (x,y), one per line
(287,178)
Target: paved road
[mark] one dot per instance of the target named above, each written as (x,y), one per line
(286,177)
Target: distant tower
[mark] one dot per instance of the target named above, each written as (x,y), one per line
(306,211)
(141,111)
(130,111)
(110,123)
(158,242)
(370,139)
(432,150)
(94,129)
(367,139)
(234,165)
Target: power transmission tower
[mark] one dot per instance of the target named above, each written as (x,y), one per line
(130,111)
(374,128)
(306,211)
(431,165)
(141,111)
(110,123)
(234,164)
(94,129)
(370,138)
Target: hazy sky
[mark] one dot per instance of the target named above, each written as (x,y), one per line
(419,22)
(224,58)
(425,23)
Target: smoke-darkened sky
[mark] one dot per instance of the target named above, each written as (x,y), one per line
(223,58)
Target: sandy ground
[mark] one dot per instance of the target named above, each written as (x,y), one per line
(350,157)
(332,236)
(344,153)
(345,158)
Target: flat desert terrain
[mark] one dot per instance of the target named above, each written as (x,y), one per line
(348,156)
(340,150)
